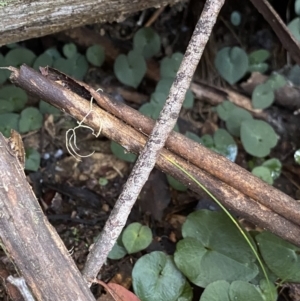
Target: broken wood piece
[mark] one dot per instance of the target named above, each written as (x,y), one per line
(134,141)
(30,241)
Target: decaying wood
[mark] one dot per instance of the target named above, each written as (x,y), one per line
(29,239)
(21,20)
(231,196)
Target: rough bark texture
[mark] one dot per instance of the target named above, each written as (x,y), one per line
(134,141)
(29,239)
(21,20)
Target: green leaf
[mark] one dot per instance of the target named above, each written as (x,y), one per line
(69,50)
(224,109)
(136,237)
(32,159)
(258,56)
(46,108)
(103,181)
(208,141)
(156,278)
(8,121)
(274,165)
(216,291)
(130,69)
(118,251)
(243,291)
(225,144)
(31,119)
(231,63)
(147,42)
(297,7)
(6,106)
(53,52)
(119,151)
(262,96)
(235,18)
(187,293)
(16,96)
(282,258)
(263,173)
(258,137)
(235,119)
(213,249)
(77,66)
(42,61)
(176,184)
(193,136)
(18,56)
(170,65)
(294,27)
(95,55)
(277,81)
(297,156)
(4,74)
(164,85)
(150,109)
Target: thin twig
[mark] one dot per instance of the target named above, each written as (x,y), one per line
(159,135)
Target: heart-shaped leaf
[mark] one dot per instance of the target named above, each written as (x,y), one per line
(224,109)
(294,27)
(136,237)
(31,119)
(170,66)
(232,64)
(69,50)
(42,61)
(213,249)
(18,56)
(118,251)
(176,184)
(156,278)
(15,95)
(130,69)
(8,121)
(95,55)
(32,159)
(277,81)
(258,137)
(262,96)
(263,173)
(274,165)
(119,151)
(147,42)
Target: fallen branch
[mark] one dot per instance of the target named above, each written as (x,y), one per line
(77,105)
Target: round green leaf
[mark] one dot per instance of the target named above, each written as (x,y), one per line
(118,251)
(176,184)
(235,18)
(282,258)
(208,141)
(42,61)
(262,96)
(216,291)
(156,278)
(136,237)
(8,121)
(274,165)
(147,42)
(263,173)
(6,106)
(31,119)
(95,55)
(294,27)
(235,119)
(103,181)
(213,249)
(130,69)
(244,291)
(258,137)
(4,74)
(69,50)
(170,66)
(260,67)
(18,56)
(32,159)
(224,109)
(15,95)
(193,136)
(232,64)
(225,144)
(119,151)
(53,52)
(297,156)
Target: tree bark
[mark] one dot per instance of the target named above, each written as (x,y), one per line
(21,20)
(30,241)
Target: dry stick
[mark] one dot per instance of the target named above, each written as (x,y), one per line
(134,141)
(164,125)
